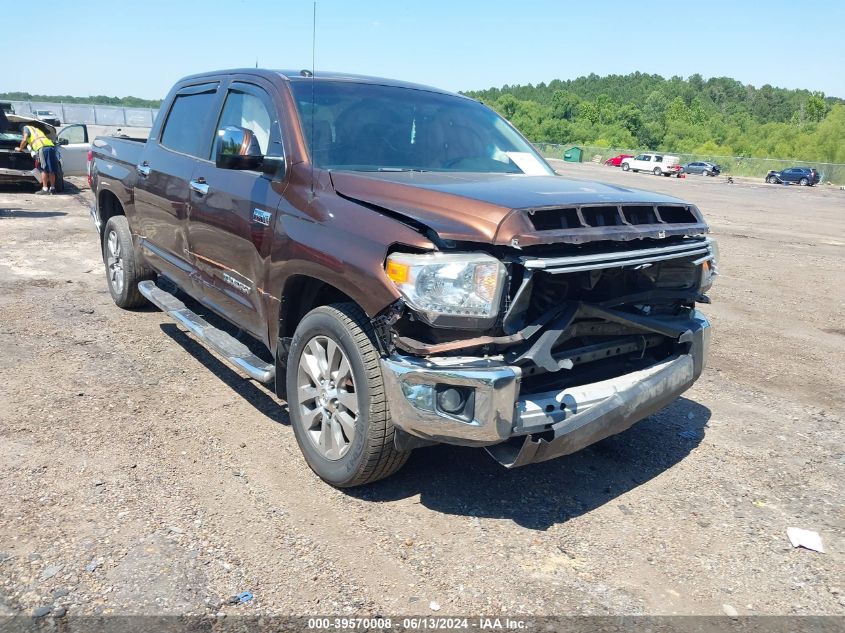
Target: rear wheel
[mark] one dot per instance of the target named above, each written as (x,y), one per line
(337,401)
(803,182)
(657,171)
(625,167)
(123,271)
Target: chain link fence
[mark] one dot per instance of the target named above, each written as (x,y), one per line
(92,114)
(731,165)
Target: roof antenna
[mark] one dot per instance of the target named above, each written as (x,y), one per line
(313,98)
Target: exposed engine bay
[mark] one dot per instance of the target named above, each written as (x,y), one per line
(605,309)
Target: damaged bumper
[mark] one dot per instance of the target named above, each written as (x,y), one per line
(17,175)
(488,408)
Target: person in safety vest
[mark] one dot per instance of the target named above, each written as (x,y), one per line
(47,156)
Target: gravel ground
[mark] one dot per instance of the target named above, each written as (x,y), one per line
(141,475)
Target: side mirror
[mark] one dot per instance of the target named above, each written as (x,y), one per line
(63,141)
(237,148)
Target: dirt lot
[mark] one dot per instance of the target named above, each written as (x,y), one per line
(142,475)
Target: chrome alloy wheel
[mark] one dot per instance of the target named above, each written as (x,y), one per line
(327,397)
(114,262)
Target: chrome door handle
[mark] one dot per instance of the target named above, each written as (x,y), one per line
(143,169)
(199,186)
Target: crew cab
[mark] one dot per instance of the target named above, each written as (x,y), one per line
(658,164)
(407,267)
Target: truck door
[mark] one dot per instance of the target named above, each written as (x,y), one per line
(232,213)
(164,174)
(73,149)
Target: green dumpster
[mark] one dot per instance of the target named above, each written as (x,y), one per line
(573,155)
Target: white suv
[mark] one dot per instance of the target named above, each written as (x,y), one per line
(658,164)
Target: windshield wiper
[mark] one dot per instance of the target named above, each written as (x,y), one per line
(400,169)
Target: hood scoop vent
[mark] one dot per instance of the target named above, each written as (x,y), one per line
(603,216)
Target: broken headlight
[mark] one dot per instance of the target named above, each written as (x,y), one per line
(709,267)
(457,290)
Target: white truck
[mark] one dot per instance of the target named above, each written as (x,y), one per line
(658,164)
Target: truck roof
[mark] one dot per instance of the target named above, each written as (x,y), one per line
(305,75)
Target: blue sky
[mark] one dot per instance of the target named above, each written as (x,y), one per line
(141,47)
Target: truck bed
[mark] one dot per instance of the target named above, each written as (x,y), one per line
(119,149)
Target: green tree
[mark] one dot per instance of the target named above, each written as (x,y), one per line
(564,104)
(816,107)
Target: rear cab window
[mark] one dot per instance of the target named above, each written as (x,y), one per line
(188,120)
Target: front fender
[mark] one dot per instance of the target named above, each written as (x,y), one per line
(340,243)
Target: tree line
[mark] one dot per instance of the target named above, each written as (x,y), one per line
(717,116)
(129,102)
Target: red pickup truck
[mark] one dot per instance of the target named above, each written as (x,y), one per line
(411,270)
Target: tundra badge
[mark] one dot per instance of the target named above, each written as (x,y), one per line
(235,283)
(262,217)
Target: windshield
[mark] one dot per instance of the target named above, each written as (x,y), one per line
(368,127)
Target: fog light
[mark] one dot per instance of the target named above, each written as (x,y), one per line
(420,396)
(451,400)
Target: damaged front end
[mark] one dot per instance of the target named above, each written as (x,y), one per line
(590,334)
(15,166)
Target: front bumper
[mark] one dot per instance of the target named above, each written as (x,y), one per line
(568,419)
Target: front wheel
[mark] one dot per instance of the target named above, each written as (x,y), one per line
(123,270)
(337,401)
(657,171)
(772,180)
(625,167)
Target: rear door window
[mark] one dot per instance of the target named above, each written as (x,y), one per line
(189,120)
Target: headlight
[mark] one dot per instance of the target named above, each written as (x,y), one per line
(710,268)
(446,289)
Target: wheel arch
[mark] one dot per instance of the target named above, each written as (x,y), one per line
(108,206)
(301,294)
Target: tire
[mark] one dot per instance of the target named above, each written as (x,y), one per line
(656,171)
(625,167)
(706,173)
(772,180)
(60,180)
(123,271)
(345,436)
(803,182)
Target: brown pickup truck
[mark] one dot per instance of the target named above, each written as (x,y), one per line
(412,269)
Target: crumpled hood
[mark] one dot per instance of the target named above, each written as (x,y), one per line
(486,208)
(9,121)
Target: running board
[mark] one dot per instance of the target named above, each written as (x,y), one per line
(224,344)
